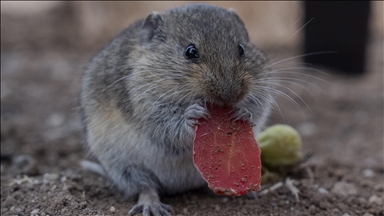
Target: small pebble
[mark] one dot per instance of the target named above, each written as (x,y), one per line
(322,190)
(9,201)
(35,211)
(379,187)
(25,164)
(50,177)
(225,199)
(344,189)
(368,173)
(307,129)
(217,208)
(112,209)
(376,199)
(185,210)
(346,214)
(55,120)
(63,179)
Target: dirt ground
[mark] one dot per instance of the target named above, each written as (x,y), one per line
(41,137)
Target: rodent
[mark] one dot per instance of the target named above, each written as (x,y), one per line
(141,96)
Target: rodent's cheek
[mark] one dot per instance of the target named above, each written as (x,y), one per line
(198,75)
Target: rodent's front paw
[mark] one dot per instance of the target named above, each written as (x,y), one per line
(243,114)
(194,112)
(151,209)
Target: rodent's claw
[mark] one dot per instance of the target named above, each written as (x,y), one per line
(244,114)
(153,209)
(194,112)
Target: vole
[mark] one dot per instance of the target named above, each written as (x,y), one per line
(143,93)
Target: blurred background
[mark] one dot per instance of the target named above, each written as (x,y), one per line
(45,46)
(86,24)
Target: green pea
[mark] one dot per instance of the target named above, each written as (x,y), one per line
(280,146)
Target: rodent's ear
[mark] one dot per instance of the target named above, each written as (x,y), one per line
(150,27)
(232,10)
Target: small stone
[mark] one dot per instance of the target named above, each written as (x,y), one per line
(368,173)
(376,200)
(55,120)
(185,210)
(217,208)
(367,214)
(307,128)
(9,201)
(63,179)
(112,209)
(35,211)
(344,189)
(25,164)
(312,209)
(322,191)
(379,187)
(324,205)
(346,214)
(50,178)
(225,199)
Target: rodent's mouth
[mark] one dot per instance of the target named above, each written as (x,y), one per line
(228,91)
(227,99)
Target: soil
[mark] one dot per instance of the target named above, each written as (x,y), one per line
(341,124)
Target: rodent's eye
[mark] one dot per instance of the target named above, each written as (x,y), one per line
(191,52)
(241,50)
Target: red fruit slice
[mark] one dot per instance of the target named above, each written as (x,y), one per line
(226,154)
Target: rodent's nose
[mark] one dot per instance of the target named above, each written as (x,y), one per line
(230,92)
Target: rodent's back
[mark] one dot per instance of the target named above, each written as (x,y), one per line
(101,84)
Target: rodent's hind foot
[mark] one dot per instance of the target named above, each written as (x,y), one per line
(149,205)
(194,112)
(152,209)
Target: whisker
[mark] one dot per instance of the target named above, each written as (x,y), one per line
(299,56)
(272,83)
(150,76)
(285,70)
(175,92)
(124,77)
(278,92)
(181,99)
(291,35)
(257,101)
(287,79)
(150,86)
(266,97)
(274,103)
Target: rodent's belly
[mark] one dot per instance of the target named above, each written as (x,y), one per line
(177,173)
